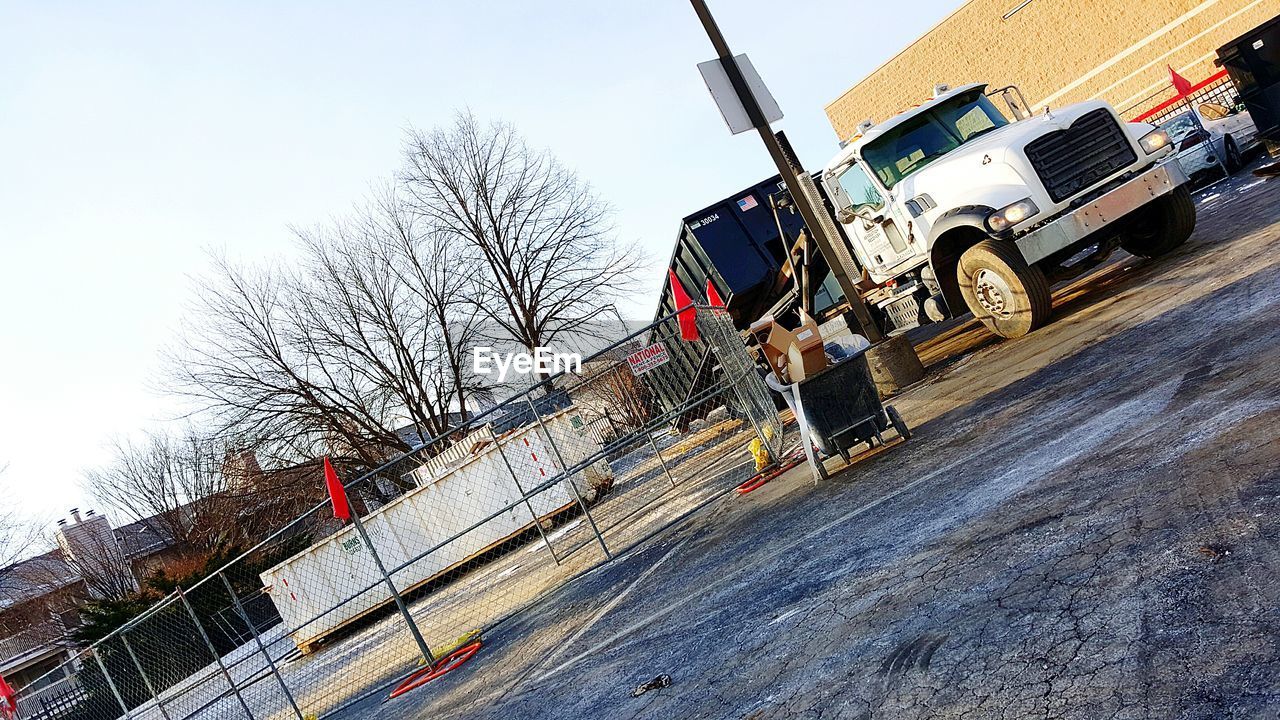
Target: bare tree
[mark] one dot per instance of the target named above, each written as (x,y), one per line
(176,484)
(372,331)
(550,262)
(368,335)
(18,532)
(615,394)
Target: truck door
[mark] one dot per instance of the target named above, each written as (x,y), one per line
(879,239)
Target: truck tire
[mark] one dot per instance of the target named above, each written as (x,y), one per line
(1009,296)
(1162,226)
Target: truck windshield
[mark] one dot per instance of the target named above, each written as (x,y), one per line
(930,135)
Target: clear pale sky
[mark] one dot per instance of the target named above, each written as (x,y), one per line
(136,136)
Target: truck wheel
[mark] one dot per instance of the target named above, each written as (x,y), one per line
(1162,226)
(1009,296)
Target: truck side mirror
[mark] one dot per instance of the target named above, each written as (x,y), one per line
(846,215)
(1015,101)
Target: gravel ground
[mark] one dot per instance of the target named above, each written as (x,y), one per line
(1087,525)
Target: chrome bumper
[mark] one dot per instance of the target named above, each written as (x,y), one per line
(1075,225)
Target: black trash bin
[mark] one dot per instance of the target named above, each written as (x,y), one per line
(843,407)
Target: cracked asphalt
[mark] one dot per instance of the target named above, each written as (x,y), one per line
(1086,525)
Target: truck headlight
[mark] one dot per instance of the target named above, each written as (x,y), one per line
(1010,215)
(1154,141)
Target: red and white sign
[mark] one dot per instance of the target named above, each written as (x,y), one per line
(642,361)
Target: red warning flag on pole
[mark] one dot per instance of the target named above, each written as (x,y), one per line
(337,494)
(1181,84)
(688,319)
(8,701)
(713,297)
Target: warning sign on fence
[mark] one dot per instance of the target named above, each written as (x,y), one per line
(642,361)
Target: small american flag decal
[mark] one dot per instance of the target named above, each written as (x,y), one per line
(747,203)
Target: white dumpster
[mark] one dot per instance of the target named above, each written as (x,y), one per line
(450,498)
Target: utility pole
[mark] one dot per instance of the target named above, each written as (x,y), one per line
(787,170)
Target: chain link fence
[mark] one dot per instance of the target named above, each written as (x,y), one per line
(1158,108)
(1183,116)
(451,539)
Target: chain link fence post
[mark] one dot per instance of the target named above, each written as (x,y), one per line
(271,664)
(386,577)
(568,478)
(214,651)
(124,640)
(110,683)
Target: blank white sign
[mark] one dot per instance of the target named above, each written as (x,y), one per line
(735,115)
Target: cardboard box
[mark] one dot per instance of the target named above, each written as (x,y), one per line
(773,340)
(792,355)
(805,355)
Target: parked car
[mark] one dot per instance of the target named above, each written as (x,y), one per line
(1216,132)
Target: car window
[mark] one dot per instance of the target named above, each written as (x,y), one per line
(1179,126)
(1213,111)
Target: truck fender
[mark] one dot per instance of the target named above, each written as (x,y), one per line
(956,231)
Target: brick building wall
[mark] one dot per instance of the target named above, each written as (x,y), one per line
(1057,51)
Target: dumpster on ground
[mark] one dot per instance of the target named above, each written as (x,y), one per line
(462,508)
(843,408)
(1253,62)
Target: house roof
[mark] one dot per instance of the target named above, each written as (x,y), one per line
(143,537)
(33,577)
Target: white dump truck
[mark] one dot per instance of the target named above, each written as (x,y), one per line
(951,206)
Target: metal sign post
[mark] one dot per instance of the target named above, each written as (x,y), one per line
(788,171)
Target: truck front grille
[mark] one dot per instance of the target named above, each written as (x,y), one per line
(1071,160)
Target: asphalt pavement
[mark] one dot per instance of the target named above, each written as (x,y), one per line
(1086,525)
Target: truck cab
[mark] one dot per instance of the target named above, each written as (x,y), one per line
(953,207)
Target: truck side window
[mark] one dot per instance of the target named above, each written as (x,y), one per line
(861,191)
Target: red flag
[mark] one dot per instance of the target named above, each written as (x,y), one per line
(713,297)
(8,701)
(337,494)
(688,319)
(1181,84)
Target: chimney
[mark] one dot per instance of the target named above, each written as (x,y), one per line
(75,514)
(88,513)
(62,522)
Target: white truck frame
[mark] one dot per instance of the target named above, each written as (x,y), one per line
(952,207)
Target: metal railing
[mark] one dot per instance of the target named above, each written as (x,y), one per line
(31,639)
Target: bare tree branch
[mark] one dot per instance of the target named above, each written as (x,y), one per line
(544,238)
(178,485)
(370,334)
